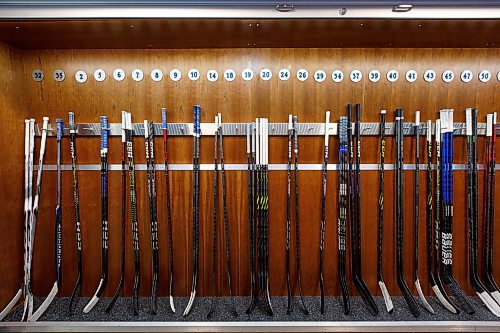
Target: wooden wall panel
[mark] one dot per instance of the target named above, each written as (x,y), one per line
(242,101)
(13,110)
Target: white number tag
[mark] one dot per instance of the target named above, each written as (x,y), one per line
(302,74)
(266,74)
(392,75)
(81,77)
(99,75)
(411,76)
(119,74)
(448,76)
(320,75)
(374,75)
(429,75)
(247,74)
(466,76)
(356,75)
(175,75)
(59,75)
(229,75)
(337,76)
(484,76)
(212,75)
(156,75)
(37,75)
(194,74)
(284,74)
(137,75)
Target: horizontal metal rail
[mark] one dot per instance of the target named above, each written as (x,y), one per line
(244,167)
(240,129)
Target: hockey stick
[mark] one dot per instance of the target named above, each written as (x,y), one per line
(226,222)
(133,210)
(323,212)
(489,207)
(151,180)
(196,162)
(288,222)
(447,201)
(34,214)
(471,217)
(58,231)
(251,213)
(359,282)
(27,195)
(123,215)
(387,298)
(104,215)
(265,202)
(169,214)
(215,218)
(341,222)
(437,289)
(76,200)
(412,304)
(297,221)
(425,304)
(437,223)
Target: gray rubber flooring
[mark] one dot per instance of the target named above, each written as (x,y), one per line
(122,311)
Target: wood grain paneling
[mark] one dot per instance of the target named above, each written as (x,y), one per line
(239,101)
(248,33)
(13,110)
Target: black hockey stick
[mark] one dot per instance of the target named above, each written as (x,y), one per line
(416,280)
(265,208)
(431,256)
(169,214)
(489,205)
(387,298)
(341,222)
(226,221)
(288,222)
(215,218)
(251,213)
(133,210)
(58,231)
(475,282)
(104,216)
(323,212)
(447,205)
(297,221)
(412,304)
(123,216)
(153,219)
(196,165)
(359,282)
(76,200)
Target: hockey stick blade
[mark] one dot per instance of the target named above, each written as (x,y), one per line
(94,299)
(366,297)
(459,294)
(387,298)
(443,300)
(425,304)
(41,310)
(496,296)
(172,307)
(11,304)
(489,302)
(190,304)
